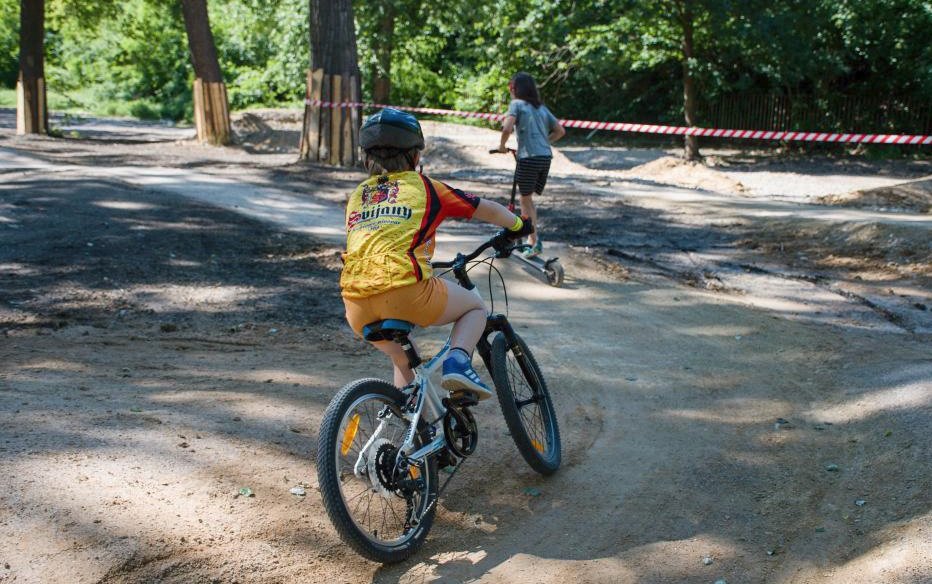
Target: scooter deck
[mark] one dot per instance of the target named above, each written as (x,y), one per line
(537,261)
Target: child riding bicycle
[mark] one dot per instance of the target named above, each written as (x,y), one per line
(391,220)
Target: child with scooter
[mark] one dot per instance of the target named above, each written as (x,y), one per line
(536,129)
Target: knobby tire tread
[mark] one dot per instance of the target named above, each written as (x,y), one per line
(510,411)
(328,478)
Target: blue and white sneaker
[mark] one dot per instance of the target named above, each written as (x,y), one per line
(458,375)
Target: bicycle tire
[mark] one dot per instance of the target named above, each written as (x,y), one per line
(520,386)
(335,443)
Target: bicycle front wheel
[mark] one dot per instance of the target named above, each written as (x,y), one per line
(381,511)
(526,404)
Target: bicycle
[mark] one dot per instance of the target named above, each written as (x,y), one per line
(380,447)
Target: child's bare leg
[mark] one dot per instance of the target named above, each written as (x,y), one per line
(529,210)
(402,373)
(468,310)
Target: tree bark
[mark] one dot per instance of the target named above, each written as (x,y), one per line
(211,107)
(691,143)
(383,45)
(31,108)
(333,49)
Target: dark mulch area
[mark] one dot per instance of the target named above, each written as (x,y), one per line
(100,253)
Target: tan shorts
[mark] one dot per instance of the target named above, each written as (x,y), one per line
(420,303)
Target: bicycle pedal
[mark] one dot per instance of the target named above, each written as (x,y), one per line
(464,399)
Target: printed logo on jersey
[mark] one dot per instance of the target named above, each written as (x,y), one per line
(385,191)
(378,203)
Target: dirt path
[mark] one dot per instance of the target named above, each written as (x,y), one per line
(190,351)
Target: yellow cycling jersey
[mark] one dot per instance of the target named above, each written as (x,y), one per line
(391,220)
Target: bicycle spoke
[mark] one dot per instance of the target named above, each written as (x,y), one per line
(527,403)
(375,508)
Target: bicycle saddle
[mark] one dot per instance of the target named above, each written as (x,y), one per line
(385,330)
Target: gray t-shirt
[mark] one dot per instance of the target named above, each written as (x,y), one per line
(533,126)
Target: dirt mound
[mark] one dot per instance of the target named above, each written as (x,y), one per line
(268,130)
(463,150)
(912,196)
(684,173)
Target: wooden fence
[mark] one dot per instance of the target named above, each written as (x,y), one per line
(331,135)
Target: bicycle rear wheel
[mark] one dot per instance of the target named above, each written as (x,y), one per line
(526,404)
(381,512)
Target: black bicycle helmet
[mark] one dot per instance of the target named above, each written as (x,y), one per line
(391,128)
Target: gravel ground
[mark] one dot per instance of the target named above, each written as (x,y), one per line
(720,395)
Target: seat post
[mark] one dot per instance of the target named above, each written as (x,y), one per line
(410,352)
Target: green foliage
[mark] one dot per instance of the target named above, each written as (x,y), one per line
(593,59)
(263,49)
(9,43)
(135,55)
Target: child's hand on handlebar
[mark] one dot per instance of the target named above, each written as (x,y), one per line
(522,228)
(504,240)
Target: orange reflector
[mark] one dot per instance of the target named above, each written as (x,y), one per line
(537,445)
(413,472)
(349,434)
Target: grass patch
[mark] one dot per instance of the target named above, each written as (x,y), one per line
(88,103)
(7,97)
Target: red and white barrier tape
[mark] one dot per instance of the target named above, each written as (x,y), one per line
(903,139)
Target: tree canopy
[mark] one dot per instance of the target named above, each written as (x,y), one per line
(594,59)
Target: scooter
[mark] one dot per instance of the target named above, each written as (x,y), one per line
(551,268)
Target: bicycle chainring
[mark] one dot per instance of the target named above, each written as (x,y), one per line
(460,430)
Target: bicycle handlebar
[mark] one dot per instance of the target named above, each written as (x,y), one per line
(495,241)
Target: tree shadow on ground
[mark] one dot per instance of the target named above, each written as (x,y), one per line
(751,474)
(721,478)
(92,252)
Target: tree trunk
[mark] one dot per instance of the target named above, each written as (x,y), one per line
(333,49)
(31,108)
(691,151)
(383,44)
(211,107)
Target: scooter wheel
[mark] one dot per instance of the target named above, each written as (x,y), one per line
(554,271)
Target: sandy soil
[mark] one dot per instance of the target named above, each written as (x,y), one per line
(730,410)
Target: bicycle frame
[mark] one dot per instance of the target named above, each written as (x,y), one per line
(428,397)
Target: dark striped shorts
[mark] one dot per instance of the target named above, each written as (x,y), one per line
(531,174)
